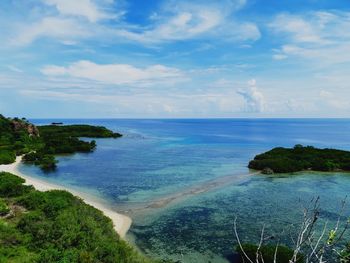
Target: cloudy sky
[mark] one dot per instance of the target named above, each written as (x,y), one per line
(167,58)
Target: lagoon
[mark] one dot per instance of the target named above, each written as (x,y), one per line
(183,181)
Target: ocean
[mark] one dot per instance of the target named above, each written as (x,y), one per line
(184,181)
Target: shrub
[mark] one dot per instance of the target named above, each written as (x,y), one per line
(4,209)
(11,185)
(7,156)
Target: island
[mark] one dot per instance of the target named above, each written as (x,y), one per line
(40,144)
(301,158)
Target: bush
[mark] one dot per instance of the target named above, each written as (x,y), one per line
(47,162)
(11,185)
(7,156)
(4,209)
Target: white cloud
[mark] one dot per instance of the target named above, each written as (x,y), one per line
(334,101)
(82,8)
(320,37)
(71,21)
(242,32)
(174,21)
(118,74)
(183,25)
(279,56)
(254,99)
(186,20)
(14,68)
(299,29)
(63,29)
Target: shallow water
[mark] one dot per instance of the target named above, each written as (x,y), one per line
(184,181)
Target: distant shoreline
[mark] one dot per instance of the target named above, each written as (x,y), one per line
(121,223)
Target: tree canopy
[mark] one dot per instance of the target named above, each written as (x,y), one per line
(299,158)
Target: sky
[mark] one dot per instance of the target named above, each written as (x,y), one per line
(175,59)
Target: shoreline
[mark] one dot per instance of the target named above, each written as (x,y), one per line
(121,223)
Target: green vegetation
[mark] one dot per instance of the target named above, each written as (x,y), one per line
(40,144)
(55,226)
(47,162)
(7,156)
(345,254)
(284,254)
(4,209)
(299,158)
(13,140)
(77,131)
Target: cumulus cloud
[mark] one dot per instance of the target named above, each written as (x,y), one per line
(254,99)
(118,74)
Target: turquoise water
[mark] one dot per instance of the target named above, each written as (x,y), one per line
(184,181)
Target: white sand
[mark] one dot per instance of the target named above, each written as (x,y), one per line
(121,222)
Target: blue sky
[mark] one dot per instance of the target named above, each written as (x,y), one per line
(171,59)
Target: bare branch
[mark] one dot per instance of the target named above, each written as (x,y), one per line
(238,240)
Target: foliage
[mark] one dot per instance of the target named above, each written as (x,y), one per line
(284,254)
(58,227)
(345,254)
(286,160)
(12,185)
(12,141)
(47,162)
(78,131)
(7,156)
(15,139)
(4,209)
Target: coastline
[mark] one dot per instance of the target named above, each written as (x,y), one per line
(121,223)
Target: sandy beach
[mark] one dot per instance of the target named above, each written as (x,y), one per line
(121,222)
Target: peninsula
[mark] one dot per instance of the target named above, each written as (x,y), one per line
(301,158)
(40,144)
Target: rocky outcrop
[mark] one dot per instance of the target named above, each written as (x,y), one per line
(267,171)
(19,125)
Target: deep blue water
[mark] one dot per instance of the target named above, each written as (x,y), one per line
(156,172)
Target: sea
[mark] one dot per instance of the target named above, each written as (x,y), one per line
(185,181)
